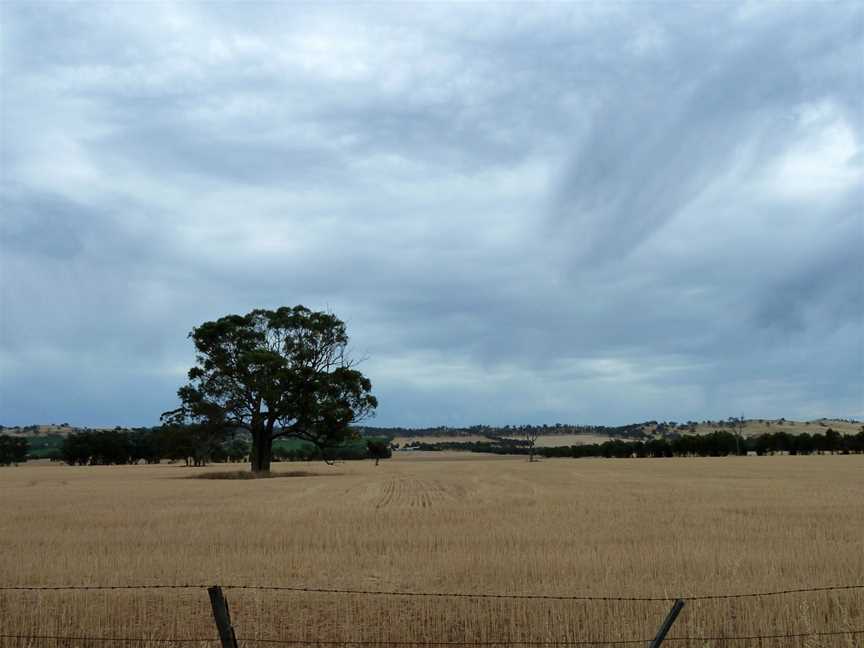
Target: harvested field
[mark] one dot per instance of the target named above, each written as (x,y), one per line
(451,523)
(468,438)
(543,440)
(755,427)
(554,440)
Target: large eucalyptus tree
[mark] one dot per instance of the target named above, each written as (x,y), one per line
(276,373)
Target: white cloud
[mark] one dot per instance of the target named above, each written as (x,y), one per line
(821,164)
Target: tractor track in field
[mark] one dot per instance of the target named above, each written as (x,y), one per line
(415,493)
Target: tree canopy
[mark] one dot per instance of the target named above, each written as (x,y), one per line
(13,450)
(276,373)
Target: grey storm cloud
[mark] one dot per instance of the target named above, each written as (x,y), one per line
(525,213)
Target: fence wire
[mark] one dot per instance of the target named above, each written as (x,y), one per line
(118,640)
(348,642)
(477,595)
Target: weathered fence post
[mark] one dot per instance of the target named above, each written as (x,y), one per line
(222,617)
(667,624)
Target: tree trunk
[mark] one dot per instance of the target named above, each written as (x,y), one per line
(262,451)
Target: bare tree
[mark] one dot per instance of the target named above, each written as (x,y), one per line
(737,423)
(531,434)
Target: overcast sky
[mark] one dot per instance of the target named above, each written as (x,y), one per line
(525,213)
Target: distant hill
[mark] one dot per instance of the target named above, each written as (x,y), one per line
(39,430)
(591,433)
(645,430)
(52,429)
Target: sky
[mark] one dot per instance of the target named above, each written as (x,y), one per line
(525,213)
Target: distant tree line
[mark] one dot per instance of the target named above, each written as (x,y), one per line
(632,430)
(643,431)
(716,444)
(198,445)
(13,450)
(194,444)
(376,448)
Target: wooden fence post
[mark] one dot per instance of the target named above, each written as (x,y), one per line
(667,623)
(222,617)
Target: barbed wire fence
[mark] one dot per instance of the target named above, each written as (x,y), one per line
(227,638)
(455,644)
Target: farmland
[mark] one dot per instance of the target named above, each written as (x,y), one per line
(546,440)
(448,522)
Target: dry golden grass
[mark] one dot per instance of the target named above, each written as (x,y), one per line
(543,441)
(755,427)
(449,522)
(472,438)
(554,440)
(752,427)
